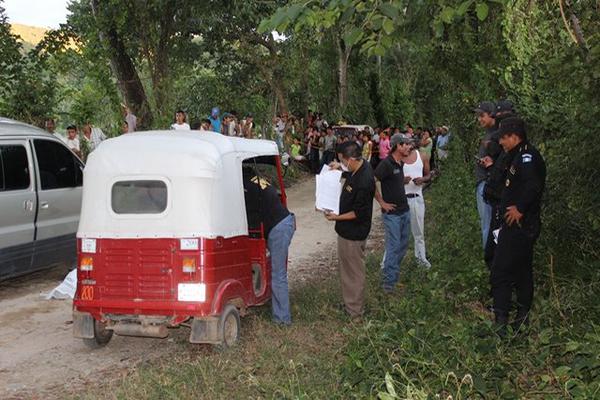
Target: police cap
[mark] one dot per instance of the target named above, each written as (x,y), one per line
(485,107)
(512,125)
(504,106)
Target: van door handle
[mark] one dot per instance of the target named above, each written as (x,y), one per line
(44,205)
(28,205)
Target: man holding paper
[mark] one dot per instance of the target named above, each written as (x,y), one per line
(353,224)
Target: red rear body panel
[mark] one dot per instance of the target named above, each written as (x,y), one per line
(141,276)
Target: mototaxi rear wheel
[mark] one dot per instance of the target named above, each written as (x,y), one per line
(229,327)
(101,336)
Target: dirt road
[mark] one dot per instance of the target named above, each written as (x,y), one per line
(39,358)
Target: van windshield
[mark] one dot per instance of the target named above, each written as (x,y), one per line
(139,197)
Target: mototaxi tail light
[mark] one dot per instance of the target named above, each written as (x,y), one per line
(86,264)
(189,264)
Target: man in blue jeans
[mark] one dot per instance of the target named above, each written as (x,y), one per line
(263,205)
(394,206)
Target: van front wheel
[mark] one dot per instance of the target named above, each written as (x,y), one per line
(229,326)
(101,336)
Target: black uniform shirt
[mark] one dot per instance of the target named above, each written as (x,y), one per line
(263,204)
(357,195)
(391,175)
(489,147)
(525,181)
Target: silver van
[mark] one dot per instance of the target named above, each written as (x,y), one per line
(40,199)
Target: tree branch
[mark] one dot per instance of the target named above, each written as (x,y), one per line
(562,13)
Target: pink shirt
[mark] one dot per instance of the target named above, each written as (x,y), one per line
(384,148)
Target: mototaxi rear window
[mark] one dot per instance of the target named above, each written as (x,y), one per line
(139,197)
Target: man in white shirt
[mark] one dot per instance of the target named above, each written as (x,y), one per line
(130,118)
(279,125)
(72,140)
(180,124)
(92,136)
(416,173)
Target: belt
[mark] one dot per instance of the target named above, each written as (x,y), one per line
(412,195)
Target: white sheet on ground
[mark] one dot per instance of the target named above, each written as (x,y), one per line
(66,290)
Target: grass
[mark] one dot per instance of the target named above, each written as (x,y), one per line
(433,339)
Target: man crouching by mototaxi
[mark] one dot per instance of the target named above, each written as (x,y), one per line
(263,205)
(520,203)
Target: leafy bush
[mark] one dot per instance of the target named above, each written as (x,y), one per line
(436,338)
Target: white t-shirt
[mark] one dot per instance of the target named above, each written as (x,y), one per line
(95,139)
(131,122)
(73,144)
(280,128)
(231,128)
(182,127)
(414,170)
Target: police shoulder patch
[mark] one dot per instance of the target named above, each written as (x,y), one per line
(525,158)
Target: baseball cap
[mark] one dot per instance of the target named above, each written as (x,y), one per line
(399,138)
(504,106)
(511,125)
(485,107)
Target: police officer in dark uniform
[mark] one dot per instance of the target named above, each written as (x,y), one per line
(520,205)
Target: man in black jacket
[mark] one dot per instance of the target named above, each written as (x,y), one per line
(263,205)
(353,224)
(520,205)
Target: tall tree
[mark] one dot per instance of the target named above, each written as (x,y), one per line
(234,34)
(121,63)
(144,42)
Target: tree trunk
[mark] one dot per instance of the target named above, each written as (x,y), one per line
(161,84)
(123,68)
(279,93)
(343,58)
(304,87)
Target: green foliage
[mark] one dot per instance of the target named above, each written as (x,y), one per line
(27,86)
(435,338)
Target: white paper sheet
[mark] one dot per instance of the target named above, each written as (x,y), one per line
(328,190)
(496,233)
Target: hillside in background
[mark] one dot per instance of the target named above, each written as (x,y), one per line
(30,35)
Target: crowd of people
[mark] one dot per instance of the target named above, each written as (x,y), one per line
(83,141)
(391,165)
(316,144)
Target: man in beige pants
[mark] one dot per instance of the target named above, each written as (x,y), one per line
(353,225)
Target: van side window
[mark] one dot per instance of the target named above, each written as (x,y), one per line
(59,168)
(14,168)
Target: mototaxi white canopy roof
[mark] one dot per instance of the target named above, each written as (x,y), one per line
(201,170)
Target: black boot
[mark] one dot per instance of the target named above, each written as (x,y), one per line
(521,322)
(501,325)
